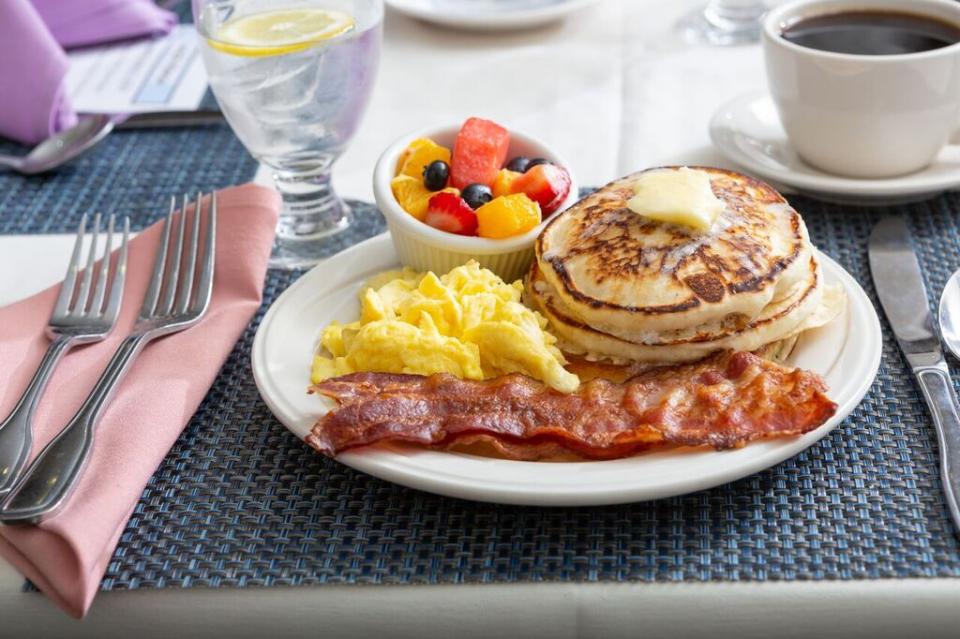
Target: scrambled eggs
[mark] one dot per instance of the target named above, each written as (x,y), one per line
(468,323)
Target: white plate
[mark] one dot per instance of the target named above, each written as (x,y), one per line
(488,15)
(846,353)
(748,131)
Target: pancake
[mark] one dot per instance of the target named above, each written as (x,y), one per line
(627,276)
(779,320)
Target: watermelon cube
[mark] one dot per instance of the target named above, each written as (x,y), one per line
(478,153)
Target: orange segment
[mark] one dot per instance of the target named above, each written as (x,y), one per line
(507,216)
(412,196)
(503,182)
(419,154)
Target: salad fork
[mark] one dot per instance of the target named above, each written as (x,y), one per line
(88,319)
(173,302)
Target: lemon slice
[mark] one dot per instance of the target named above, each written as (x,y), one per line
(278,32)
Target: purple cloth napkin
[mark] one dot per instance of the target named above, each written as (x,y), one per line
(80,23)
(33,33)
(33,100)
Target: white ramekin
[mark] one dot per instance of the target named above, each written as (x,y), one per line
(425,248)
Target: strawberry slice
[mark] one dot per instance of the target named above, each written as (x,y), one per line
(546,184)
(449,212)
(478,153)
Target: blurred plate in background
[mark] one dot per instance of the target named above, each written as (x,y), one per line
(488,15)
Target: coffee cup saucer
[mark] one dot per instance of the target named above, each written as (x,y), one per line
(747,131)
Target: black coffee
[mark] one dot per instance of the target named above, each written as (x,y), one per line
(872,33)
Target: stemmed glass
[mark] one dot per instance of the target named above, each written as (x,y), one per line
(293,78)
(726,22)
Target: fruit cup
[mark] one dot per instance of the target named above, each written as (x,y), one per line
(425,248)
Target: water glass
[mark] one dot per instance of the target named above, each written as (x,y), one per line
(293,78)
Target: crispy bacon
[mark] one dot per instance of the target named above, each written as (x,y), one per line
(723,401)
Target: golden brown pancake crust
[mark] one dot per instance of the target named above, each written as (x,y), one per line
(738,259)
(544,301)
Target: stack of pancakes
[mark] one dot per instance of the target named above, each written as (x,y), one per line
(619,287)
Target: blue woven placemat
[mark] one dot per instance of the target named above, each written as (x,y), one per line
(130,172)
(239,501)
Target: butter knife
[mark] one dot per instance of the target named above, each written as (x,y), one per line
(172,119)
(899,283)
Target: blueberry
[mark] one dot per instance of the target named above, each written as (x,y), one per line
(535,161)
(476,195)
(520,164)
(435,175)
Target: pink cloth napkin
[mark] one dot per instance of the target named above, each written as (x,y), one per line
(66,555)
(33,65)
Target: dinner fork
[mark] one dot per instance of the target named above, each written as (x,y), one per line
(80,316)
(173,302)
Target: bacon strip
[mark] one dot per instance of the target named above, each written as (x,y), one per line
(723,401)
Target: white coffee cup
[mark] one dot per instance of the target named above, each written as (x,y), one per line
(865,116)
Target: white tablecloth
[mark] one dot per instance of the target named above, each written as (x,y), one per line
(614,89)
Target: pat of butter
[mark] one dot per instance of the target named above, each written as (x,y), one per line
(680,196)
